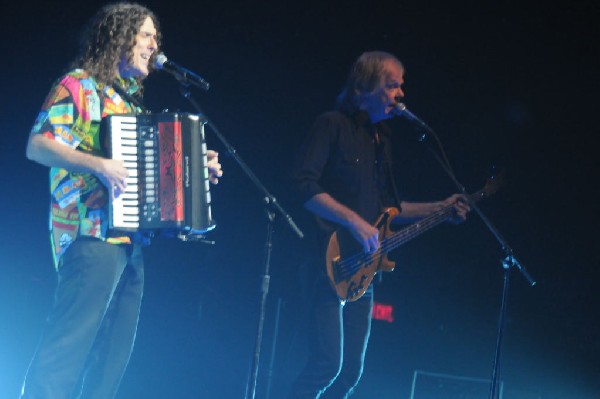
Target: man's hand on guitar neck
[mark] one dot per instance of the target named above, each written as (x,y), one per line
(460,205)
(413,211)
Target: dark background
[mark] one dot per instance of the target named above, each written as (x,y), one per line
(509,86)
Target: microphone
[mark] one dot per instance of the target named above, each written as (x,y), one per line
(401,110)
(180,73)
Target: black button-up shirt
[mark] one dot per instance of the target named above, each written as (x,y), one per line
(342,157)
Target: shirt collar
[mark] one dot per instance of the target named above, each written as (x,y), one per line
(130,85)
(362,120)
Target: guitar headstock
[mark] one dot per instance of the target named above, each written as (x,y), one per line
(493,183)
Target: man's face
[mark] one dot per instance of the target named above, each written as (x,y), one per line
(145,45)
(380,103)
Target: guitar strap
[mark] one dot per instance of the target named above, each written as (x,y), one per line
(393,181)
(383,159)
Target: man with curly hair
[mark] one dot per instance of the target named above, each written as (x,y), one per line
(90,331)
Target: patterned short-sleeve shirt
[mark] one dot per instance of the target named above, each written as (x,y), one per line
(72,115)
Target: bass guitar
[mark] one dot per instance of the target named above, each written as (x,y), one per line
(350,270)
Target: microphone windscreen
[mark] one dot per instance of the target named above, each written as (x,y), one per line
(160,60)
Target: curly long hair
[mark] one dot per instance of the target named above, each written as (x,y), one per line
(109,34)
(364,76)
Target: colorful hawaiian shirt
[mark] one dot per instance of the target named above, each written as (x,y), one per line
(71,115)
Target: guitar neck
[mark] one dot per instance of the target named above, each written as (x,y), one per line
(408,233)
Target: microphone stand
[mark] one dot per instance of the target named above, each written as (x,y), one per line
(272,208)
(508,262)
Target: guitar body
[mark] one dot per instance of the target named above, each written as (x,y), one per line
(350,271)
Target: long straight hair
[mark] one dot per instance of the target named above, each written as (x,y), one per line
(365,75)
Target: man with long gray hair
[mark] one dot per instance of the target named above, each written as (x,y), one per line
(343,175)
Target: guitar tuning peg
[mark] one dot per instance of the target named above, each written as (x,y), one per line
(493,171)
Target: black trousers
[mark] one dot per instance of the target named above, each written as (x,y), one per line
(88,337)
(338,338)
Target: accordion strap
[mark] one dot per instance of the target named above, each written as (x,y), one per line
(131,99)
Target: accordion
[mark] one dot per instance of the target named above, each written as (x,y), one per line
(167,189)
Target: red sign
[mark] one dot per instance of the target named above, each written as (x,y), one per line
(383,312)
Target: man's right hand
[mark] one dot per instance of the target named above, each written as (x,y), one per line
(365,234)
(325,206)
(49,152)
(113,174)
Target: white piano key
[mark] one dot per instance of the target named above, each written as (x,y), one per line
(128,196)
(129,211)
(128,150)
